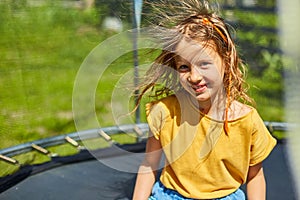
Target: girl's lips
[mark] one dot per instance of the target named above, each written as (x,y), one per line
(199,88)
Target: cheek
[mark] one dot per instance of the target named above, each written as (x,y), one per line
(214,79)
(214,76)
(183,77)
(183,81)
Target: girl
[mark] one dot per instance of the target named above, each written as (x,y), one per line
(211,140)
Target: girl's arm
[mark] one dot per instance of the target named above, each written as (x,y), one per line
(256,184)
(147,171)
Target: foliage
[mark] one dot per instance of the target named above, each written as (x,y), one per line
(115,8)
(259,46)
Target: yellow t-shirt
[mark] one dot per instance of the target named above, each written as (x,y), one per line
(203,162)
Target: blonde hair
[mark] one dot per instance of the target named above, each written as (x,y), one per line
(200,21)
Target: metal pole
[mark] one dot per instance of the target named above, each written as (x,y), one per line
(137,6)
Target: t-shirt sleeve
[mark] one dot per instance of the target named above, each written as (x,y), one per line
(262,142)
(156,115)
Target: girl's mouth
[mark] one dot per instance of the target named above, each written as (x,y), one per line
(199,88)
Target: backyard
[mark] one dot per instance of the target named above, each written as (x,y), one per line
(42,49)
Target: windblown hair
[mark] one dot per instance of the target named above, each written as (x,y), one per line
(199,21)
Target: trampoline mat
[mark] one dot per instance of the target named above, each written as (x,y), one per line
(95,180)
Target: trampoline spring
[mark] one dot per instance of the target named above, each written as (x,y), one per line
(72,141)
(138,131)
(40,149)
(9,160)
(106,137)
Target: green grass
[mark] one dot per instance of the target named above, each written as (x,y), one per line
(41,50)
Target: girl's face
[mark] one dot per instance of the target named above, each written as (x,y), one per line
(201,70)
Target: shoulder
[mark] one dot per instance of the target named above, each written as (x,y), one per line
(166,103)
(159,113)
(239,110)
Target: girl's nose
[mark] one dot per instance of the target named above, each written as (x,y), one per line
(195,75)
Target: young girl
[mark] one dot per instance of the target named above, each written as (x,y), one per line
(211,140)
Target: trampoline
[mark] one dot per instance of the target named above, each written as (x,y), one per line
(89,175)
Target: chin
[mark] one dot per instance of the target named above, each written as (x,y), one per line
(202,98)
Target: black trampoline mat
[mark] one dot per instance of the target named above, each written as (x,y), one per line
(280,184)
(85,180)
(94,180)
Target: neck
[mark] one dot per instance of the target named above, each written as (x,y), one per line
(214,108)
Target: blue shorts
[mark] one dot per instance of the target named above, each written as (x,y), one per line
(160,192)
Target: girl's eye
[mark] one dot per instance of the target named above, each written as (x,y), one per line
(204,64)
(183,68)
